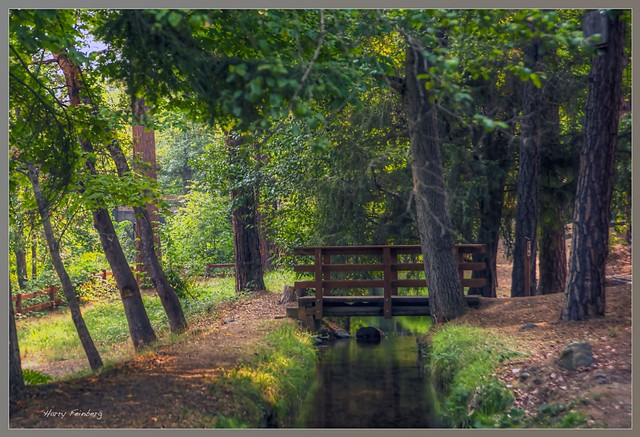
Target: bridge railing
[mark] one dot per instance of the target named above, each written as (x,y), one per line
(389,264)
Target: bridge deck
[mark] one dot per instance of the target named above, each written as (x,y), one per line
(366,306)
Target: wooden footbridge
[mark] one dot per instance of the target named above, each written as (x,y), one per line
(391,260)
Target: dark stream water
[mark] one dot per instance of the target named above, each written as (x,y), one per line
(364,385)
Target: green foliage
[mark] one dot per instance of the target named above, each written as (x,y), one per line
(96,289)
(180,153)
(462,360)
(556,415)
(182,286)
(35,377)
(198,233)
(268,390)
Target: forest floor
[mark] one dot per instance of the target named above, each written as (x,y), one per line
(169,385)
(602,391)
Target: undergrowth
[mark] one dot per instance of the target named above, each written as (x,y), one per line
(462,360)
(268,390)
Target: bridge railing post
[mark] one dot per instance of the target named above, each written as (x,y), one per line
(326,273)
(386,260)
(318,282)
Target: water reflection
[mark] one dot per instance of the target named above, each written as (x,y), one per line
(365,385)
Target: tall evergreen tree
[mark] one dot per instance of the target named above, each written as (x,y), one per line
(441,266)
(585,291)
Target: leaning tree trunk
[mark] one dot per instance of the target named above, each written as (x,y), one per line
(168,297)
(140,328)
(74,307)
(244,219)
(585,292)
(441,267)
(16,381)
(527,190)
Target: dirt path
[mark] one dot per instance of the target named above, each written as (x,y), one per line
(165,388)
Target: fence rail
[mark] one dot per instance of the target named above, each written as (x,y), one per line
(322,268)
(212,267)
(50,291)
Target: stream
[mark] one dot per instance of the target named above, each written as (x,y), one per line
(369,385)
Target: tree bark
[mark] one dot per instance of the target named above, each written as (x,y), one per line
(21,256)
(34,246)
(246,238)
(553,255)
(140,328)
(21,267)
(74,307)
(144,151)
(527,191)
(16,381)
(441,267)
(585,292)
(168,297)
(497,164)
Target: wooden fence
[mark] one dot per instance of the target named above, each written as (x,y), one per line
(322,269)
(50,292)
(213,267)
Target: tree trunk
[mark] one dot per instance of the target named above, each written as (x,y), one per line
(74,307)
(527,191)
(166,292)
(585,292)
(21,256)
(497,164)
(246,238)
(140,328)
(21,267)
(16,381)
(34,246)
(144,152)
(441,267)
(553,255)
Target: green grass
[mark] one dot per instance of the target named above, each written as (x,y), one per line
(462,361)
(55,338)
(34,377)
(269,389)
